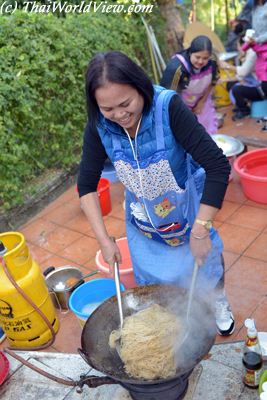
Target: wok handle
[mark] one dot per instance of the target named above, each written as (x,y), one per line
(94,381)
(84,355)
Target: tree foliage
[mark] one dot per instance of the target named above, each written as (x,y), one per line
(43,60)
(206,10)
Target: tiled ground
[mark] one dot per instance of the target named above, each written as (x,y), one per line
(60,235)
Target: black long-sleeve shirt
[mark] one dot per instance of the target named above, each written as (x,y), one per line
(192,137)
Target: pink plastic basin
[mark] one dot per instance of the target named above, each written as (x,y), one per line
(252,169)
(126,269)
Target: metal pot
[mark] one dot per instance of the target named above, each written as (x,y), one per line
(57,283)
(97,353)
(231,148)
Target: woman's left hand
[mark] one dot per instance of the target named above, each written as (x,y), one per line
(200,248)
(200,242)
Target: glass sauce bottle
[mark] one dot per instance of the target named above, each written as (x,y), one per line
(252,356)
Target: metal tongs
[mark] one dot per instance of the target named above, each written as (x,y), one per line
(118,287)
(118,290)
(191,292)
(190,301)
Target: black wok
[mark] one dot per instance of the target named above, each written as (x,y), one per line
(95,335)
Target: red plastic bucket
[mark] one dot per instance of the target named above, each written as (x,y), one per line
(252,169)
(126,269)
(104,195)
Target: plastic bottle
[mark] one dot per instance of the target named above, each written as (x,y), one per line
(252,356)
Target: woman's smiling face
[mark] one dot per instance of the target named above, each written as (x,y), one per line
(120,103)
(200,59)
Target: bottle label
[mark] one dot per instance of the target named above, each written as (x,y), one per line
(251,341)
(251,377)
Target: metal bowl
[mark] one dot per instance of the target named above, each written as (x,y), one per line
(229,145)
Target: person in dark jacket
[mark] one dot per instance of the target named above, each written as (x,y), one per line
(241,23)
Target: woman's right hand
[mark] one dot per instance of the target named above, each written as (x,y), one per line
(111,253)
(223,64)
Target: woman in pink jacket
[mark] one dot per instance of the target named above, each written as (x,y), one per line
(243,94)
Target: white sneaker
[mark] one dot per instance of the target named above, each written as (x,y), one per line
(224,318)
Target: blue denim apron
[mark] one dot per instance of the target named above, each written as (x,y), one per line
(160,214)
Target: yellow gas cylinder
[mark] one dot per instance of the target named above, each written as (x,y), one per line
(221,94)
(22,324)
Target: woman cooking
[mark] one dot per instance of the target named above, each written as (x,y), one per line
(157,147)
(193,73)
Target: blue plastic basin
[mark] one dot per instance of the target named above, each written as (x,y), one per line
(87,297)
